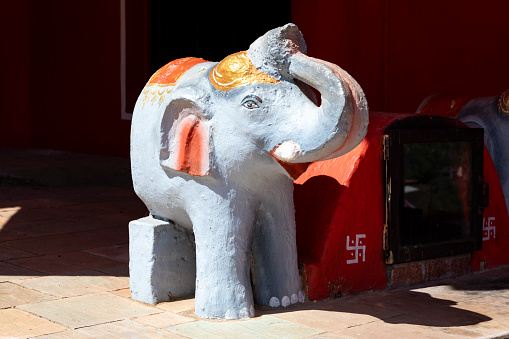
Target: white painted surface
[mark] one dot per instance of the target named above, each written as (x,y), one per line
(488,228)
(244,204)
(359,250)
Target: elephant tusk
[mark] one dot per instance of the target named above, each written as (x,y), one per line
(287,151)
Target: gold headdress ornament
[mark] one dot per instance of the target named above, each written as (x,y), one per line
(503,103)
(236,70)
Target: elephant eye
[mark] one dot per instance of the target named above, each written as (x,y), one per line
(251,101)
(250,104)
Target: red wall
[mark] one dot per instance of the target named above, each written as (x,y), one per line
(15,128)
(60,62)
(337,201)
(350,34)
(402,51)
(61,88)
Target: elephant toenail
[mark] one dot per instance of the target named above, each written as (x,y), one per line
(274,302)
(244,313)
(302,297)
(285,301)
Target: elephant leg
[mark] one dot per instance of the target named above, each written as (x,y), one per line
(223,238)
(276,278)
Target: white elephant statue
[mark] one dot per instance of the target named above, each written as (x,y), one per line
(208,145)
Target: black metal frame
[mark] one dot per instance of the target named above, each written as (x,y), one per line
(395,252)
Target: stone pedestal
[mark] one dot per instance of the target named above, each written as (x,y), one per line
(162,260)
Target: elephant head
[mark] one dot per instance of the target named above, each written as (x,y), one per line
(269,106)
(342,117)
(210,143)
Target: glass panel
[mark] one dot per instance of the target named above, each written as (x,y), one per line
(436,193)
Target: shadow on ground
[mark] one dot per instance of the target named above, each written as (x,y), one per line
(394,307)
(62,213)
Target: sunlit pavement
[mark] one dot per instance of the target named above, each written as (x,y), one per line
(64,272)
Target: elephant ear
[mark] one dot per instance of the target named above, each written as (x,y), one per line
(185,138)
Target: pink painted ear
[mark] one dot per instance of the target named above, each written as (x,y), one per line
(188,147)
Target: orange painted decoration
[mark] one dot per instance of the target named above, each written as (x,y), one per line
(169,74)
(193,147)
(443,105)
(236,70)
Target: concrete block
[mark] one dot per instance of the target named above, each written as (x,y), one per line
(162,262)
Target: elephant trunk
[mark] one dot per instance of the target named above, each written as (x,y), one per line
(325,132)
(339,124)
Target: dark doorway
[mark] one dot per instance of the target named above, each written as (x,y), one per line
(434,190)
(210,30)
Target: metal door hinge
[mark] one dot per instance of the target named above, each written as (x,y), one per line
(384,145)
(389,258)
(385,238)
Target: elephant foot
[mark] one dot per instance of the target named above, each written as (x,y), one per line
(224,302)
(286,301)
(243,313)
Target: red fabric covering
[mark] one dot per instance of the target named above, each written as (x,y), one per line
(343,198)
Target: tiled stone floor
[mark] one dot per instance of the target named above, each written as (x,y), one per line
(64,274)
